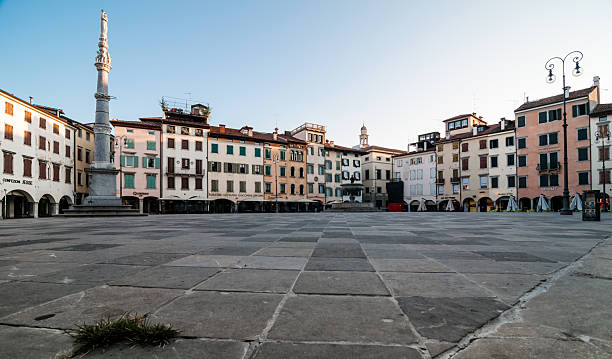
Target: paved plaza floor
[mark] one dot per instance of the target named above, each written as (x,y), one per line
(326,285)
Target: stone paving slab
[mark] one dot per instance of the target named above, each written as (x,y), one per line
(92,305)
(284,252)
(221,315)
(167,277)
(147,259)
(432,285)
(339,264)
(318,351)
(16,296)
(182,348)
(88,274)
(251,280)
(30,270)
(409,265)
(342,318)
(262,262)
(209,261)
(508,287)
(32,343)
(356,283)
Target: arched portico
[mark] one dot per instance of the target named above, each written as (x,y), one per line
(469,205)
(17,204)
(485,204)
(525,204)
(64,203)
(47,206)
(222,205)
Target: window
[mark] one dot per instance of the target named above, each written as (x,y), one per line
(494,143)
(520,121)
(67,151)
(440,160)
(229,150)
(56,128)
(151,182)
(42,123)
(151,145)
(367,174)
(80,178)
(548,180)
(511,181)
(455,145)
(128,131)
(258,152)
(378,189)
(356,163)
(268,187)
(243,168)
(465,183)
(184,144)
(129,142)
(464,147)
(583,154)
(229,167)
(242,151)
(378,174)
(455,157)
(27,138)
(184,130)
(242,185)
(283,155)
(522,182)
(493,161)
(388,174)
(268,170)
(282,171)
(321,189)
(199,133)
(522,160)
(56,147)
(509,141)
(27,167)
(494,182)
(583,134)
(198,167)
(8,162)
(440,148)
(604,177)
(580,110)
(548,139)
(583,178)
(184,183)
(321,169)
(214,148)
(214,185)
(42,143)
(510,159)
(80,154)
(170,164)
(198,181)
(604,153)
(67,135)
(483,144)
(171,143)
(484,182)
(464,164)
(185,163)
(283,189)
(88,158)
(440,189)
(549,160)
(522,143)
(301,172)
(292,171)
(256,169)
(8,132)
(267,153)
(128,180)
(42,170)
(257,187)
(483,161)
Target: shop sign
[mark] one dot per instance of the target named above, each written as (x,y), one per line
(11,180)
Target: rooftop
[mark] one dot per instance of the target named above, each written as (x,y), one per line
(555,99)
(602,109)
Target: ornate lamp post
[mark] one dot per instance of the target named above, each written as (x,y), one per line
(603,136)
(550,78)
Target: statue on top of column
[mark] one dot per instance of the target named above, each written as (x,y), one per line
(103,56)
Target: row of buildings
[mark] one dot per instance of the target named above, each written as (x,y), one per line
(179,163)
(478,166)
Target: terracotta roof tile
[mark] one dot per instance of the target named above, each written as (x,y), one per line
(602,109)
(555,99)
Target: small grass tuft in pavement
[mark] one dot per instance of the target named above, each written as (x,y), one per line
(132,329)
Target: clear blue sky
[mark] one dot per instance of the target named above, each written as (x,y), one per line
(400,67)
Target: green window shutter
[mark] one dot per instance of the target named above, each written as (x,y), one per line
(144,162)
(122,161)
(235,168)
(258,152)
(157,162)
(151,145)
(558,114)
(150,182)
(588,108)
(129,181)
(242,151)
(225,167)
(214,148)
(542,117)
(575,111)
(246,169)
(136,161)
(230,149)
(253,169)
(282,155)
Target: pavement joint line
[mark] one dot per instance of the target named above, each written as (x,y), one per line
(513,314)
(422,348)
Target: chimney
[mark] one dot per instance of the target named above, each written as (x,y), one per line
(250,131)
(331,143)
(502,123)
(527,99)
(32,98)
(475,130)
(275,134)
(221,128)
(57,112)
(595,81)
(447,135)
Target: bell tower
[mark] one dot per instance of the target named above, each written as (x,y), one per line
(363,137)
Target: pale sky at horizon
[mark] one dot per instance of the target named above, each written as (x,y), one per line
(400,67)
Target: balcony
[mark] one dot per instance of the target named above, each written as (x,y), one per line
(440,181)
(455,180)
(549,167)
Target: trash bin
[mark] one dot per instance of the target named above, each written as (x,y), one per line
(590,208)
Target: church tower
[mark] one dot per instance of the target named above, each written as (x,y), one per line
(363,137)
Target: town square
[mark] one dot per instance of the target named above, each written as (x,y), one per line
(342,179)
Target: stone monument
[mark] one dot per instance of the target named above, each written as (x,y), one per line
(102,199)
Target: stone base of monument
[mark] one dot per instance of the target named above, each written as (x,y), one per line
(84,210)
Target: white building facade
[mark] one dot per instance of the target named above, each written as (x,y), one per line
(314,135)
(417,170)
(37,160)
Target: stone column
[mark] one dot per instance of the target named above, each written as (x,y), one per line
(140,205)
(35,209)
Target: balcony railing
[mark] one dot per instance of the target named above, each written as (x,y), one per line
(455,180)
(549,167)
(440,180)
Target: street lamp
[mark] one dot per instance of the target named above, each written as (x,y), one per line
(603,136)
(550,78)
